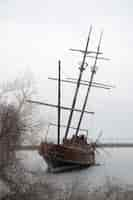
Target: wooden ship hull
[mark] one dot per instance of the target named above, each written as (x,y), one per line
(66,156)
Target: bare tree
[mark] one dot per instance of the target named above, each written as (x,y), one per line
(13,114)
(18,122)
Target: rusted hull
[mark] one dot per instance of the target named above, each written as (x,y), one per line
(66,156)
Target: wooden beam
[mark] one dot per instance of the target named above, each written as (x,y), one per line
(82,83)
(93,82)
(56,106)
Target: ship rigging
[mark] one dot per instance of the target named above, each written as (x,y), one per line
(76,151)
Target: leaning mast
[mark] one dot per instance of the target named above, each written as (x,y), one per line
(59,101)
(78,84)
(93,71)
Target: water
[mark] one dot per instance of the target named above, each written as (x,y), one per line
(116,164)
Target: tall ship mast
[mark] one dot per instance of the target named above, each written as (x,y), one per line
(78,150)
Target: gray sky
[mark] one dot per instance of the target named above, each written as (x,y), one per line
(38,33)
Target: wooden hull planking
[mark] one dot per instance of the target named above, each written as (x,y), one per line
(67,156)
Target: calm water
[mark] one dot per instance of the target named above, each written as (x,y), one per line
(116,165)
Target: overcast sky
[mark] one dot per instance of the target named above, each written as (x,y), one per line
(36,33)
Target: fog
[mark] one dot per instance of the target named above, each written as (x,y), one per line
(35,34)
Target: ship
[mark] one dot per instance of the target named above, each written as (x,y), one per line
(76,151)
